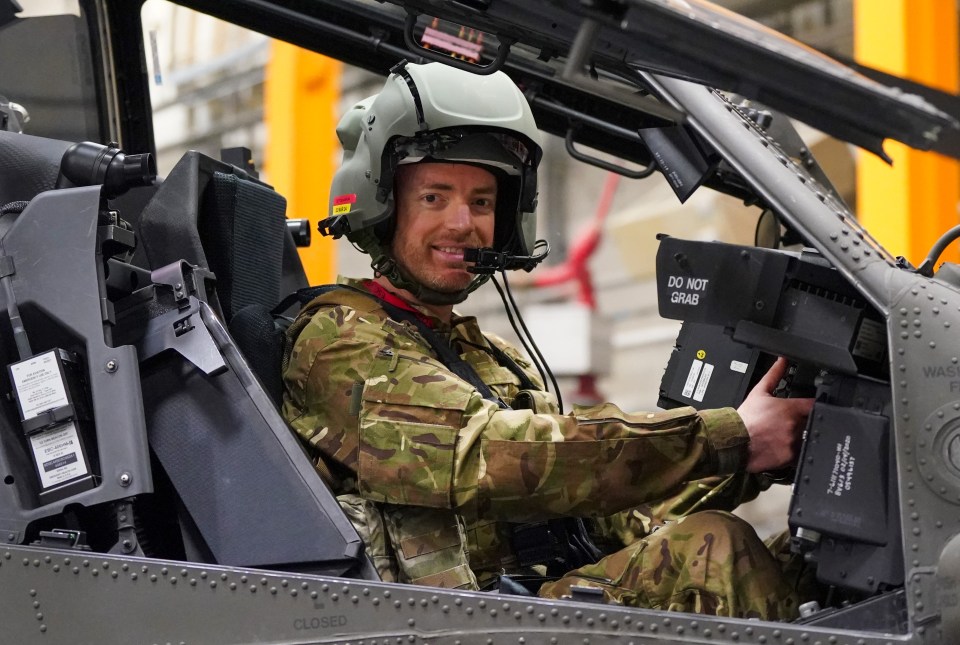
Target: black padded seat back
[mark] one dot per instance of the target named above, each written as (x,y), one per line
(260,330)
(168,224)
(260,337)
(215,216)
(292,276)
(242,228)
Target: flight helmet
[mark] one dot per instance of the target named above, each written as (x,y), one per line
(435,112)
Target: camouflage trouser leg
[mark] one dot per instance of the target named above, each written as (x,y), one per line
(710,562)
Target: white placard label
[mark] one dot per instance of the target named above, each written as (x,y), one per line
(703,382)
(692,378)
(39,384)
(841,476)
(58,455)
(738,366)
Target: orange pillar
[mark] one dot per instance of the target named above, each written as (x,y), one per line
(909,205)
(302,93)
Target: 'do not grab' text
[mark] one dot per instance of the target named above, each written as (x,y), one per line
(686,291)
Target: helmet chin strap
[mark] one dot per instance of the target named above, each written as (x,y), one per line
(390,269)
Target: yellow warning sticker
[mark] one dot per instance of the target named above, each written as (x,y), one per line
(343,203)
(701,354)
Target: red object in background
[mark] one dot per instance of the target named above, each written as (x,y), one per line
(575,268)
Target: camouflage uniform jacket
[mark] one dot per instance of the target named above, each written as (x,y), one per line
(431,473)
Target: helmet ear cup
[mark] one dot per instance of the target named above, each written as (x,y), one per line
(385,229)
(505,231)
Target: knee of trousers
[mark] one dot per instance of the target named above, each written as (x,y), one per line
(715,542)
(720,524)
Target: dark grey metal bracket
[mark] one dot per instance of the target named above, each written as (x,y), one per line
(175,330)
(127,542)
(185,280)
(7,271)
(57,288)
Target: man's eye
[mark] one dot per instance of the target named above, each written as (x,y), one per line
(484,202)
(430,199)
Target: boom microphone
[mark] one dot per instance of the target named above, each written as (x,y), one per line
(487,261)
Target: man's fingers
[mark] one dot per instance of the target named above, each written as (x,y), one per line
(770,380)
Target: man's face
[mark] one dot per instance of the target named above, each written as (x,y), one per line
(442,209)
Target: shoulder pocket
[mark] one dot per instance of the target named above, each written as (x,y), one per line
(411,412)
(489,371)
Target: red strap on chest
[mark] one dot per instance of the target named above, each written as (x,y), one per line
(397,301)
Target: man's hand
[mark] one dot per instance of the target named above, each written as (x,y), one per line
(775,425)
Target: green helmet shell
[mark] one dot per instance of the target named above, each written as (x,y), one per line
(435,112)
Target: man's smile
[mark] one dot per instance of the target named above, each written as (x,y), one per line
(449,253)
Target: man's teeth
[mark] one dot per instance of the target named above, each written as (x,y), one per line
(450,249)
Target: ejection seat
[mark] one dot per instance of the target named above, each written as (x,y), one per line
(242,475)
(218,217)
(161,368)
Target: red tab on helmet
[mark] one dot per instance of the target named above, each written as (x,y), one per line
(343,203)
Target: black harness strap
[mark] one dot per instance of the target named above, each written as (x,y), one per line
(445,353)
(505,361)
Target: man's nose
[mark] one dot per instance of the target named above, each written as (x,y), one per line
(459,217)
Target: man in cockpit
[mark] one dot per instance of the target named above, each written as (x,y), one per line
(442,446)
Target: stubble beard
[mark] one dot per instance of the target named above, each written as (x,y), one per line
(416,264)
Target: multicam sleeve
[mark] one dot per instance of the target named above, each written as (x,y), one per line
(721,492)
(323,381)
(428,438)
